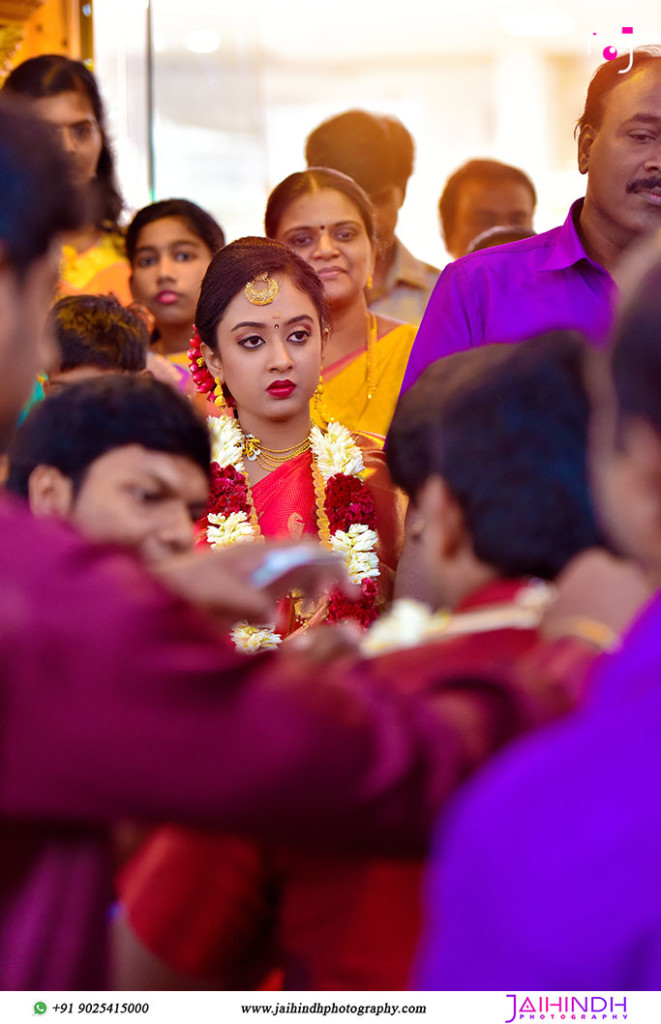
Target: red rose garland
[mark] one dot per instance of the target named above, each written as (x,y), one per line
(347,503)
(204,381)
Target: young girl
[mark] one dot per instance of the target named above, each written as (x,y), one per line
(328,220)
(169,245)
(262,328)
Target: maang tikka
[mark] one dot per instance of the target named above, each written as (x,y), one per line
(262,290)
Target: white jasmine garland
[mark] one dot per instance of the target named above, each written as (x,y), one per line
(405,625)
(357,547)
(409,623)
(252,639)
(234,528)
(226,441)
(336,451)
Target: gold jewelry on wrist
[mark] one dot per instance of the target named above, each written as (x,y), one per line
(597,633)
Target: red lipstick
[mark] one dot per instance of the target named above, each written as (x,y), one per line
(281,388)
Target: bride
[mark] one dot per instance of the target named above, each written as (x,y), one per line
(261,330)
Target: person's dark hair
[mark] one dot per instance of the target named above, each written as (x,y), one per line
(402,150)
(302,183)
(96,330)
(606,77)
(636,353)
(502,234)
(37,199)
(72,428)
(240,262)
(490,172)
(507,431)
(198,221)
(375,150)
(51,74)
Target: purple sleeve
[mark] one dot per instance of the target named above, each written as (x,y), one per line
(545,878)
(446,326)
(466,921)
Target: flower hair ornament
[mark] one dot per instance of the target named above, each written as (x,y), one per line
(205,382)
(346,517)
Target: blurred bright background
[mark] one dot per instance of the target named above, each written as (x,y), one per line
(213,100)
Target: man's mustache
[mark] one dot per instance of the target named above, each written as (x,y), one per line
(644,185)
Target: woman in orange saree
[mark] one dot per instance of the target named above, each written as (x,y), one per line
(327,219)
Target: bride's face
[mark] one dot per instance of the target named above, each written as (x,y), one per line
(269,356)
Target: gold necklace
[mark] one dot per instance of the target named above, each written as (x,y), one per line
(271,458)
(371,354)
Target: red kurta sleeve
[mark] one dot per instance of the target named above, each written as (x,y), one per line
(200,902)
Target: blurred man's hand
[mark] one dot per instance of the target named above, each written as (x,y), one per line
(596,588)
(246,580)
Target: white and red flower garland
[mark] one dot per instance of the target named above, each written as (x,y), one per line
(345,511)
(348,508)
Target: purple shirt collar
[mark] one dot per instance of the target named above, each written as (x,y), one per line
(567,248)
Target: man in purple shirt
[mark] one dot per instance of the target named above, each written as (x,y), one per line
(548,875)
(562,278)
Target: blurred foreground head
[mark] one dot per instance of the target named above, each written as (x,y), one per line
(37,202)
(626,460)
(95,335)
(498,436)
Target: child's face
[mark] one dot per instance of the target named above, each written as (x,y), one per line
(169,264)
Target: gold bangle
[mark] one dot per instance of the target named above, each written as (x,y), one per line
(594,632)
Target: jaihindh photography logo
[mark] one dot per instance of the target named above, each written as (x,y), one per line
(560,1007)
